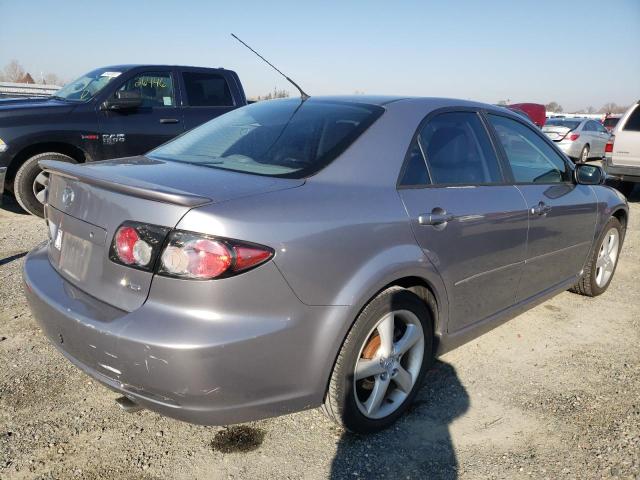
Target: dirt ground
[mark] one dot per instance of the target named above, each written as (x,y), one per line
(554,394)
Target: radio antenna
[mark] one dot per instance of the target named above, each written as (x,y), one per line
(303,95)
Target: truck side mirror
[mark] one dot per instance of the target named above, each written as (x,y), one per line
(589,174)
(123,100)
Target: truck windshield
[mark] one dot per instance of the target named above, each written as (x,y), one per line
(87,86)
(282,138)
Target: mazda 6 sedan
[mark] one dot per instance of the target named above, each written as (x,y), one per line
(294,254)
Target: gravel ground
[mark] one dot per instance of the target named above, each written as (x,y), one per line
(555,393)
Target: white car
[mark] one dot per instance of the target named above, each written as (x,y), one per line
(579,138)
(622,153)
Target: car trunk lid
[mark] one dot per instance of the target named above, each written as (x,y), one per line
(555,133)
(87,204)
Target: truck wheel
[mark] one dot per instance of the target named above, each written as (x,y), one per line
(30,182)
(603,262)
(382,362)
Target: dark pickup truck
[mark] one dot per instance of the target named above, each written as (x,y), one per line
(111,112)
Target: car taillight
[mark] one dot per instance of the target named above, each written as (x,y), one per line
(137,245)
(203,257)
(608,148)
(572,137)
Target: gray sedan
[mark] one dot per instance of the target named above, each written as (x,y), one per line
(294,254)
(580,138)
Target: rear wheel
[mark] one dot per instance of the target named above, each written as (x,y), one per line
(603,262)
(584,155)
(30,182)
(382,362)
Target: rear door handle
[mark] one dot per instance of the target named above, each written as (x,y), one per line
(169,120)
(541,209)
(437,218)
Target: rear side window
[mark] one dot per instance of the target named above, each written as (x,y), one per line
(155,88)
(532,160)
(207,90)
(282,138)
(458,150)
(611,122)
(633,122)
(415,172)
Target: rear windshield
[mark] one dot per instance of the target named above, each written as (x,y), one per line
(610,122)
(281,138)
(562,122)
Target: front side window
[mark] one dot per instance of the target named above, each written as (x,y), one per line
(458,150)
(532,160)
(284,138)
(207,90)
(87,86)
(155,88)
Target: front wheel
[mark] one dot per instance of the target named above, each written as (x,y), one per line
(382,362)
(31,182)
(603,262)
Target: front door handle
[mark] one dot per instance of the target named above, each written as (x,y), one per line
(437,218)
(169,120)
(541,209)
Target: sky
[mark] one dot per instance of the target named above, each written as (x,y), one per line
(577,53)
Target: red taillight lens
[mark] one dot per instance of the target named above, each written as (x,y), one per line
(608,148)
(126,238)
(572,137)
(195,256)
(247,257)
(137,244)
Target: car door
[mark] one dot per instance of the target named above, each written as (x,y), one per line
(562,214)
(206,96)
(603,136)
(626,148)
(469,222)
(595,140)
(156,121)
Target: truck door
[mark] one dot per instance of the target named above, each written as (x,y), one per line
(157,120)
(206,96)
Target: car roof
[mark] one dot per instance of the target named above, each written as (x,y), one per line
(423,102)
(131,66)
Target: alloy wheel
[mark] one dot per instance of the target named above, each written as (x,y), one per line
(607,257)
(389,363)
(40,185)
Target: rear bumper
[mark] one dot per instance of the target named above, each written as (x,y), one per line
(621,172)
(197,365)
(571,149)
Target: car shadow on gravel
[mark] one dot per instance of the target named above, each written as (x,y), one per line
(419,446)
(9,204)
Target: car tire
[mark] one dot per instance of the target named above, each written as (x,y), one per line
(602,264)
(349,398)
(25,185)
(584,154)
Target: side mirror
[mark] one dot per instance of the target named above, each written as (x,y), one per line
(589,174)
(123,100)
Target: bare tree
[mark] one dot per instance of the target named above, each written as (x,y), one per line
(52,79)
(554,107)
(611,107)
(275,94)
(590,109)
(14,72)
